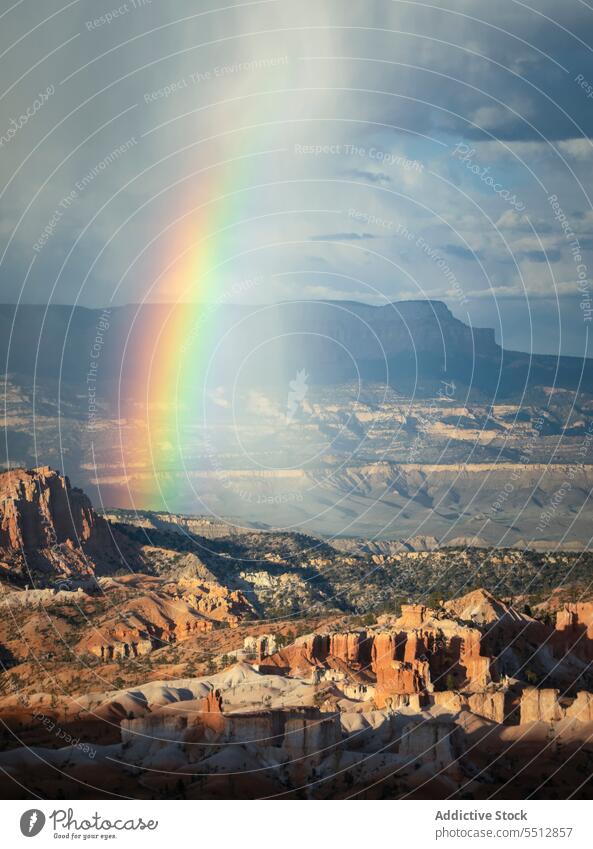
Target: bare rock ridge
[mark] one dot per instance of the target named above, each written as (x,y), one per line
(51,538)
(160,613)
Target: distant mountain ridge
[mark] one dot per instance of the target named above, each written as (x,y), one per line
(411,345)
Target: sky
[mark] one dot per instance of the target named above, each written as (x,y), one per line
(268,150)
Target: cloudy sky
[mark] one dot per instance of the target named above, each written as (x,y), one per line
(270,150)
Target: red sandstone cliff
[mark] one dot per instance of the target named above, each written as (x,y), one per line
(49,523)
(39,508)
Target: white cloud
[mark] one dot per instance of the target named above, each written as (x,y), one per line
(579,148)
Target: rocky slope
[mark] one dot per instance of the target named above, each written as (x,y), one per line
(50,532)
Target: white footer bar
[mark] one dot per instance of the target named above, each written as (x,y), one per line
(303,824)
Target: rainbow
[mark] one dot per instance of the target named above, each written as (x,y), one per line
(168,365)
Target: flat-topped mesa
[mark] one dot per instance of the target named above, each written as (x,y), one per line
(40,510)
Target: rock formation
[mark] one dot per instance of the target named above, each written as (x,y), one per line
(545,705)
(419,652)
(293,733)
(145,623)
(416,704)
(429,743)
(482,608)
(464,656)
(215,601)
(435,700)
(46,524)
(581,709)
(260,646)
(39,509)
(574,630)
